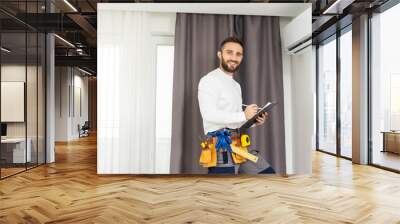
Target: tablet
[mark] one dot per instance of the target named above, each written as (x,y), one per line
(253,120)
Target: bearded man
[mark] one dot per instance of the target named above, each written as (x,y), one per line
(220,100)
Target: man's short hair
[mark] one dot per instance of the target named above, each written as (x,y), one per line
(231,40)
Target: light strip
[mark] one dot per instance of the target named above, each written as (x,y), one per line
(70,5)
(86,72)
(5,50)
(330,7)
(64,40)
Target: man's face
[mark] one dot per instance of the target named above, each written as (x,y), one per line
(231,56)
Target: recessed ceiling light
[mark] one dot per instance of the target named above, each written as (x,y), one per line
(337,7)
(84,71)
(70,5)
(64,40)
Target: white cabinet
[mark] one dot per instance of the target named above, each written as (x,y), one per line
(17,145)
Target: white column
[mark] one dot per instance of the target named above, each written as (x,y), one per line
(50,99)
(360,90)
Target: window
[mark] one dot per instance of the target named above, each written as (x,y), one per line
(385,89)
(327,97)
(394,102)
(346,94)
(333,137)
(165,69)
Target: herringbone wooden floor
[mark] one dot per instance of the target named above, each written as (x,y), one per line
(69,191)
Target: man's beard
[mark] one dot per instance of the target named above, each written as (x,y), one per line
(226,67)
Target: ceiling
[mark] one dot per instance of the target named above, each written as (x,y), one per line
(76,20)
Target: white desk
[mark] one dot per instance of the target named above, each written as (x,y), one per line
(18,149)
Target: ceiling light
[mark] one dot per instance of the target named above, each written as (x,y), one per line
(84,71)
(65,41)
(338,6)
(5,50)
(70,5)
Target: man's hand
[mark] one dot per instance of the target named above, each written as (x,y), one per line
(250,111)
(261,119)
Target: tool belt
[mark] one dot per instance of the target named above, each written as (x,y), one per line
(225,139)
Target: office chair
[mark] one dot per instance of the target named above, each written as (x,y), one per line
(84,130)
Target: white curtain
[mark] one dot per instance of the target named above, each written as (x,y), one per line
(126,94)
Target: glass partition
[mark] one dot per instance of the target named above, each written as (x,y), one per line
(41,107)
(14,153)
(22,78)
(32,95)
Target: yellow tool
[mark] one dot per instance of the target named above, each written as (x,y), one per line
(205,156)
(244,153)
(208,157)
(245,140)
(238,159)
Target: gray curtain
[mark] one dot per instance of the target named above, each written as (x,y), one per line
(197,39)
(261,79)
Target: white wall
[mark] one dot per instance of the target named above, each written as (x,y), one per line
(287,90)
(61,103)
(80,109)
(298,81)
(68,82)
(302,110)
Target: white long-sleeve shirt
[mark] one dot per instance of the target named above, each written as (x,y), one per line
(220,101)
